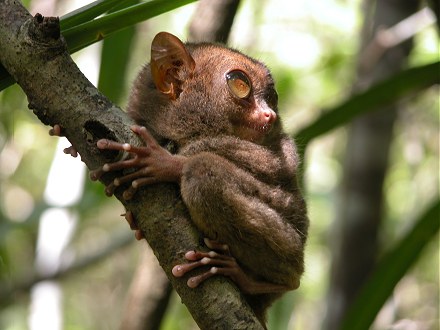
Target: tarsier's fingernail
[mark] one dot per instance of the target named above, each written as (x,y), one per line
(176,270)
(191,283)
(190,254)
(127,195)
(138,235)
(101,143)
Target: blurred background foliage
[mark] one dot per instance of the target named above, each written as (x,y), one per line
(313,49)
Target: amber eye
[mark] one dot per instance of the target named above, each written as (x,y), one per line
(239,84)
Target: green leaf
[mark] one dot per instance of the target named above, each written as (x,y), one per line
(386,92)
(88,33)
(89,12)
(390,269)
(115,54)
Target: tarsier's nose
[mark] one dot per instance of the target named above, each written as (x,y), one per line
(269,116)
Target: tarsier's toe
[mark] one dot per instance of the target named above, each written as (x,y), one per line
(215,245)
(55,130)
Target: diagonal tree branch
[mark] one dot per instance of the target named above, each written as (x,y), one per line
(34,53)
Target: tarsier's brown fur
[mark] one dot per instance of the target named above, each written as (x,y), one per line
(239,192)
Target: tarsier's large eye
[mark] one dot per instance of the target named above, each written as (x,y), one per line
(239,84)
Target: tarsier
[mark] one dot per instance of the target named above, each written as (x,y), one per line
(235,166)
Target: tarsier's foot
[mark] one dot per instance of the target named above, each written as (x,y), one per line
(58,131)
(219,258)
(222,264)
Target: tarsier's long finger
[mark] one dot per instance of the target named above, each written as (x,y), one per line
(55,130)
(95,175)
(129,193)
(120,165)
(144,134)
(138,234)
(211,255)
(140,151)
(143,181)
(71,151)
(195,281)
(105,144)
(130,219)
(180,270)
(131,177)
(110,189)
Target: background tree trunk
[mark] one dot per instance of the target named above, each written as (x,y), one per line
(148,296)
(360,208)
(212,21)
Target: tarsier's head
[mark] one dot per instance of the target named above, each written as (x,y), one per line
(229,92)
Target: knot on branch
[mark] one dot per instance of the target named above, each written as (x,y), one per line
(43,34)
(46,27)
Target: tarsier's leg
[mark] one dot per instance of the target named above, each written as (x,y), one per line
(230,205)
(222,264)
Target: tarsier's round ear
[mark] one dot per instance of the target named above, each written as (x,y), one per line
(169,57)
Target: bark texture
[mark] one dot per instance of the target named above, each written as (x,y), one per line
(34,53)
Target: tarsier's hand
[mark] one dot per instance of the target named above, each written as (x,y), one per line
(152,164)
(58,131)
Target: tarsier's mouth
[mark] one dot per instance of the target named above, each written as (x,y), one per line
(259,128)
(250,131)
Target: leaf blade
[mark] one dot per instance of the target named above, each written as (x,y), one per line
(405,82)
(88,33)
(390,269)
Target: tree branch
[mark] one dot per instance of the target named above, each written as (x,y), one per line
(34,53)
